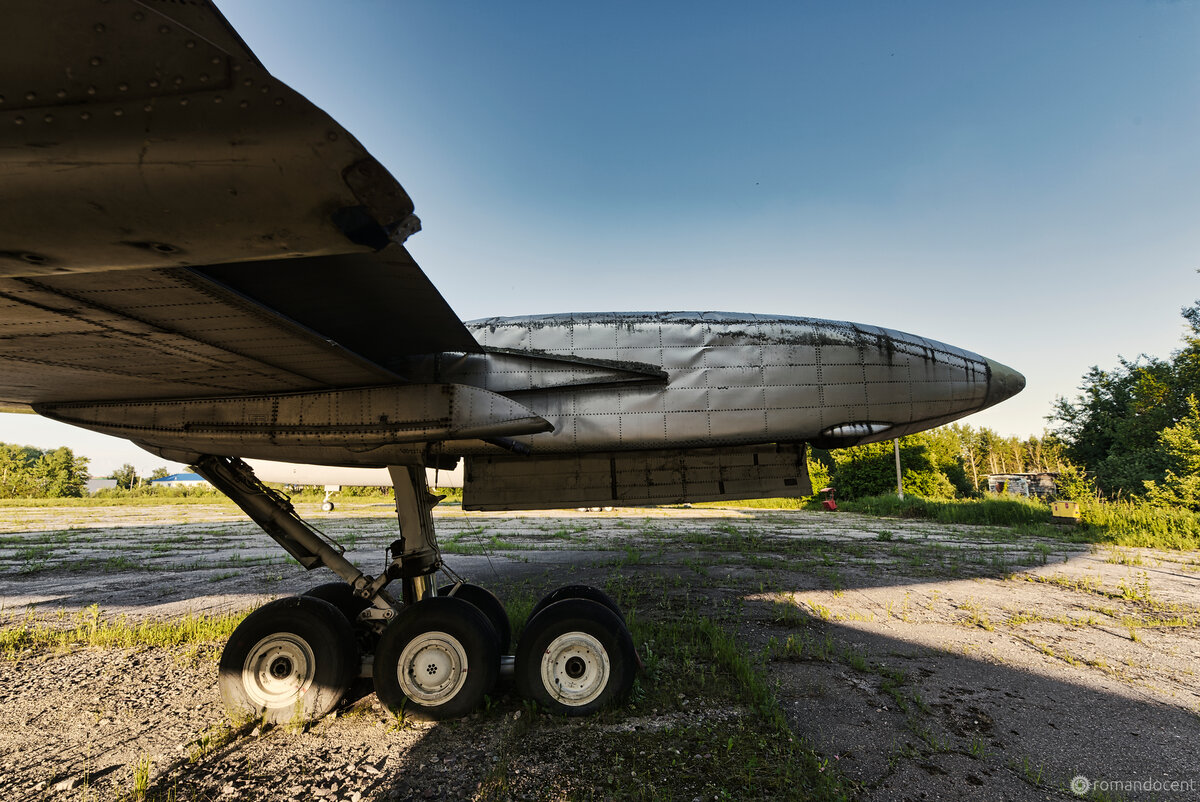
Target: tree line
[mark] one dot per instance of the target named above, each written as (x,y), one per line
(28,472)
(1136,427)
(949,462)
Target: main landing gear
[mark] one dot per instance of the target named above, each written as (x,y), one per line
(433,654)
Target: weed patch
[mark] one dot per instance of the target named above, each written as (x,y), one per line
(21,634)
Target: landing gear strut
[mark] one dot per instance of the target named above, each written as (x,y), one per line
(432,654)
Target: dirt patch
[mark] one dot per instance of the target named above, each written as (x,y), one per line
(920,661)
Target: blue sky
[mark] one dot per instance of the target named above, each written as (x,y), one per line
(1019,179)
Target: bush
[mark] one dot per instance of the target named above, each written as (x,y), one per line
(158,491)
(1137,523)
(932,468)
(991,510)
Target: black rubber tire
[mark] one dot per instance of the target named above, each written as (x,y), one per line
(576,592)
(575,635)
(469,661)
(340,595)
(299,640)
(487,603)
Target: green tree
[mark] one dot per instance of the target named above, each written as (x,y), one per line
(1073,484)
(1180,486)
(931,465)
(1112,428)
(126,476)
(159,473)
(60,474)
(27,472)
(16,479)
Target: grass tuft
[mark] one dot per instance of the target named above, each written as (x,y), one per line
(31,631)
(1118,523)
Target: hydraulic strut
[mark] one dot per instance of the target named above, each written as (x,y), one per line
(415,554)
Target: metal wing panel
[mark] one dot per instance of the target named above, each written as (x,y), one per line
(142,143)
(654,477)
(157,334)
(380,305)
(138,134)
(55,347)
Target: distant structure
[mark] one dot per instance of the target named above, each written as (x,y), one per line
(1038,485)
(181,480)
(93,486)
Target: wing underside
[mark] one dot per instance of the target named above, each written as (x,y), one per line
(175,222)
(179,332)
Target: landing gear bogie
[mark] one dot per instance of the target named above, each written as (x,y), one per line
(427,655)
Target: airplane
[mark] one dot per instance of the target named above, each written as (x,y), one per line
(333,479)
(171,212)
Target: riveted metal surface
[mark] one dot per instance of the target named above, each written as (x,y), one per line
(740,379)
(353,424)
(172,332)
(143,134)
(507,483)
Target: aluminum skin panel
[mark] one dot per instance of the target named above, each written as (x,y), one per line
(737,379)
(138,135)
(622,479)
(356,427)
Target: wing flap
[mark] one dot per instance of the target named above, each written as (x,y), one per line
(380,306)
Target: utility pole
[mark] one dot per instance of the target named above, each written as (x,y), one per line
(899,479)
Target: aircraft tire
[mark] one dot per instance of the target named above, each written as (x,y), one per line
(576,592)
(327,506)
(340,595)
(292,658)
(437,660)
(575,657)
(486,602)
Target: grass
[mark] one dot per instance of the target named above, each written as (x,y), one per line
(990,511)
(1127,523)
(32,632)
(724,735)
(118,501)
(762,503)
(141,778)
(1117,523)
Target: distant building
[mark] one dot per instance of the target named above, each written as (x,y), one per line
(93,486)
(181,480)
(1038,485)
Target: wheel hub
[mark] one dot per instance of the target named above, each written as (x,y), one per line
(432,668)
(575,668)
(279,670)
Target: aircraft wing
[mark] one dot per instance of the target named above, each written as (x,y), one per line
(178,223)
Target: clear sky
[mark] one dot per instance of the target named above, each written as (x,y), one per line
(1021,179)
